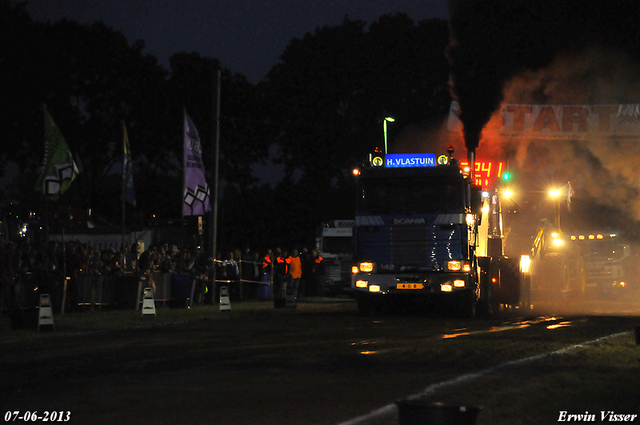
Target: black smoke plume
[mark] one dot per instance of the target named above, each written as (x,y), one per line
(494,40)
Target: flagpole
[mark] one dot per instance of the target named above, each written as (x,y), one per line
(44,161)
(44,139)
(124,184)
(46,204)
(184,160)
(46,201)
(216,155)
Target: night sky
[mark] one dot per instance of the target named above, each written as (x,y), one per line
(247,36)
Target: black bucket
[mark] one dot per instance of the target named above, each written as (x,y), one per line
(419,412)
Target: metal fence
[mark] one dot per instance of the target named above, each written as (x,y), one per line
(91,292)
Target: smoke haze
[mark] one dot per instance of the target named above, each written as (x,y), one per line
(532,52)
(492,41)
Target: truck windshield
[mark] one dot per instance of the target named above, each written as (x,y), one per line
(411,195)
(599,250)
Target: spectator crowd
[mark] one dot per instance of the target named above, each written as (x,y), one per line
(28,269)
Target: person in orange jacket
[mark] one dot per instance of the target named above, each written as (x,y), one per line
(317,271)
(295,271)
(265,271)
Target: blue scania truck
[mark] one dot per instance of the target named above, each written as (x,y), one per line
(426,237)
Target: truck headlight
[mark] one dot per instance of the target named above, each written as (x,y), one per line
(361,283)
(457,265)
(525,264)
(446,287)
(470,219)
(454,265)
(366,267)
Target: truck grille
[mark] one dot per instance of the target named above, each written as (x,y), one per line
(413,246)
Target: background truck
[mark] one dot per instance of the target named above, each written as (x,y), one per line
(556,268)
(569,269)
(568,262)
(425,237)
(611,262)
(335,244)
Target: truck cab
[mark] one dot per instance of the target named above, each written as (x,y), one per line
(415,234)
(335,245)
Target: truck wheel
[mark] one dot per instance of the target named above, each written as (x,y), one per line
(487,306)
(486,310)
(508,290)
(525,297)
(467,306)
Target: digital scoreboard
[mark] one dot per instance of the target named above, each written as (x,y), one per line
(486,173)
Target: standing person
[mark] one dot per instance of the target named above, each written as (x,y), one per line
(174,257)
(250,271)
(162,253)
(317,272)
(116,266)
(131,257)
(295,271)
(307,267)
(147,260)
(76,263)
(188,261)
(280,277)
(255,274)
(146,265)
(163,261)
(266,269)
(255,266)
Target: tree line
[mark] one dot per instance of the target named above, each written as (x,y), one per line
(315,115)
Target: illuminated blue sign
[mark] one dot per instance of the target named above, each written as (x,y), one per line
(404,160)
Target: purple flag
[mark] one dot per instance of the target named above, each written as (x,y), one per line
(195,200)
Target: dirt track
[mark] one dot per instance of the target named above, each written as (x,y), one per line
(318,364)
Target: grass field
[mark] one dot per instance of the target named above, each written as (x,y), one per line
(600,377)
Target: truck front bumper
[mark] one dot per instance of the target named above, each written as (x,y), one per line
(426,284)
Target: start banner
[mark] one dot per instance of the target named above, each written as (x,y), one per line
(560,121)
